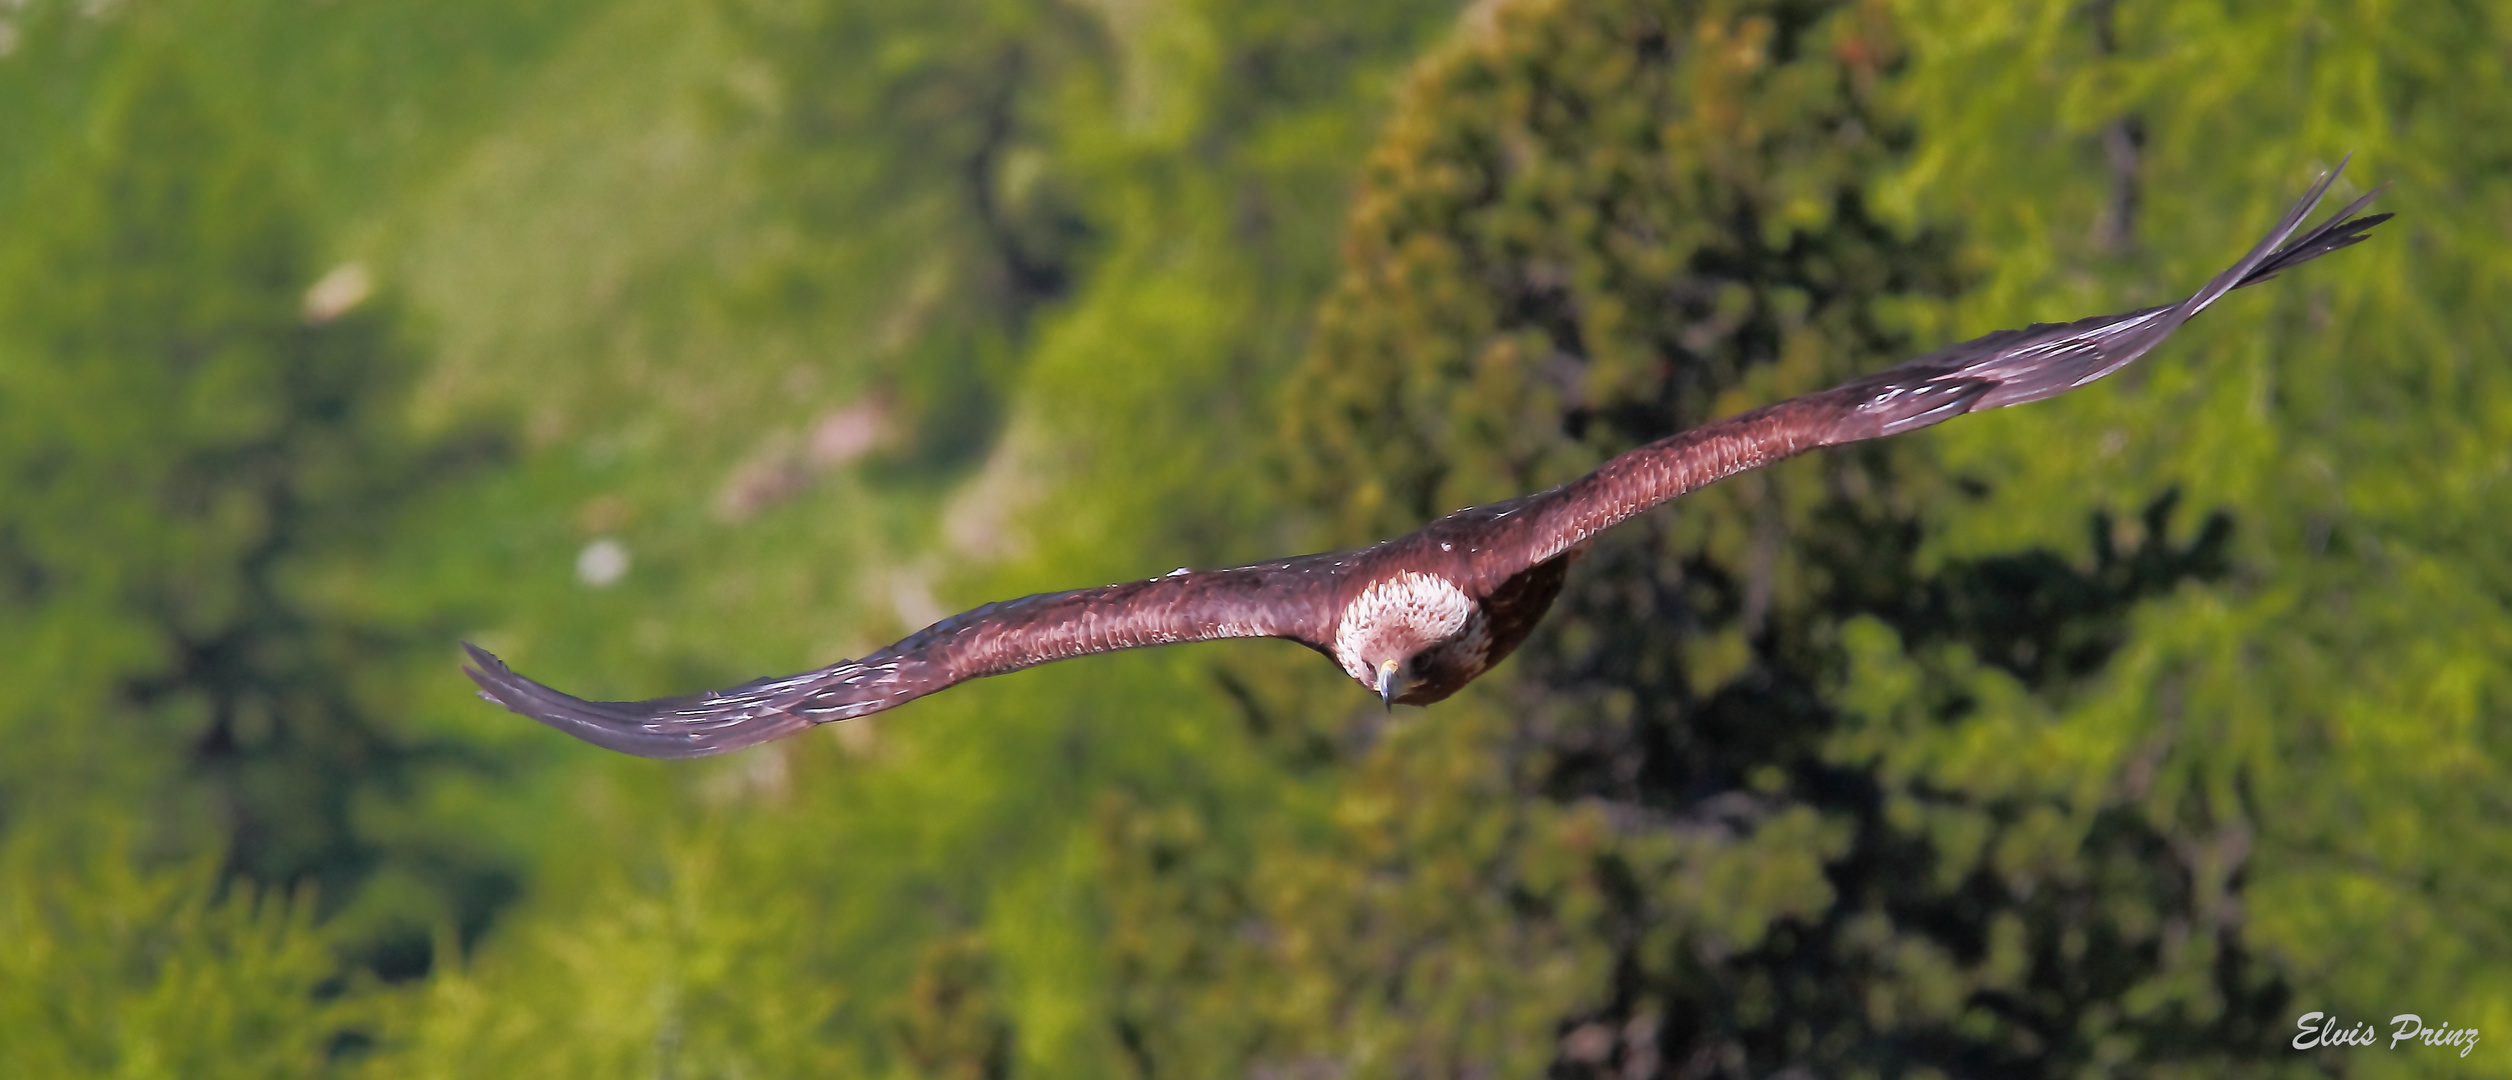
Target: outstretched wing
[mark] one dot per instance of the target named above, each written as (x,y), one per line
(1287,599)
(2009,367)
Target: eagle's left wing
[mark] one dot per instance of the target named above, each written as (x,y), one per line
(1286,599)
(2009,367)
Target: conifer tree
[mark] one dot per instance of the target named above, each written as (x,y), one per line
(1678,836)
(194,460)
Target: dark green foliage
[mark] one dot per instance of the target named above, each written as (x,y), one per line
(1592,225)
(192,469)
(1584,235)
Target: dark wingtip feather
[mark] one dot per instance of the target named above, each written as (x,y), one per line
(2342,230)
(2045,360)
(2345,235)
(661,728)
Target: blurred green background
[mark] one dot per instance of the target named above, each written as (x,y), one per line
(659,345)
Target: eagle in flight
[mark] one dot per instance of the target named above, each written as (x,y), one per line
(1414,618)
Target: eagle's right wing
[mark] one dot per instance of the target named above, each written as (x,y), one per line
(1288,599)
(2009,367)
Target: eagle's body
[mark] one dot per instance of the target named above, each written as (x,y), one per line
(1417,617)
(1435,597)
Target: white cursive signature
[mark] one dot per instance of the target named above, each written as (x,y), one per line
(2321,1029)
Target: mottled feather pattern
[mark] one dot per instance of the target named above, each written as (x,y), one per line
(990,640)
(1508,558)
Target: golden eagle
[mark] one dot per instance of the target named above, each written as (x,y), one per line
(1417,617)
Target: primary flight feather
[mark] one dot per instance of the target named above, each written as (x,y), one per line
(1417,617)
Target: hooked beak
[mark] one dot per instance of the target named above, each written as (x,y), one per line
(1387,684)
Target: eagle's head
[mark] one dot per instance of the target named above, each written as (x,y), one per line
(1400,628)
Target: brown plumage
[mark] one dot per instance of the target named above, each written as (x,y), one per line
(1415,618)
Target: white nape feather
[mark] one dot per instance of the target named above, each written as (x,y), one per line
(1394,617)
